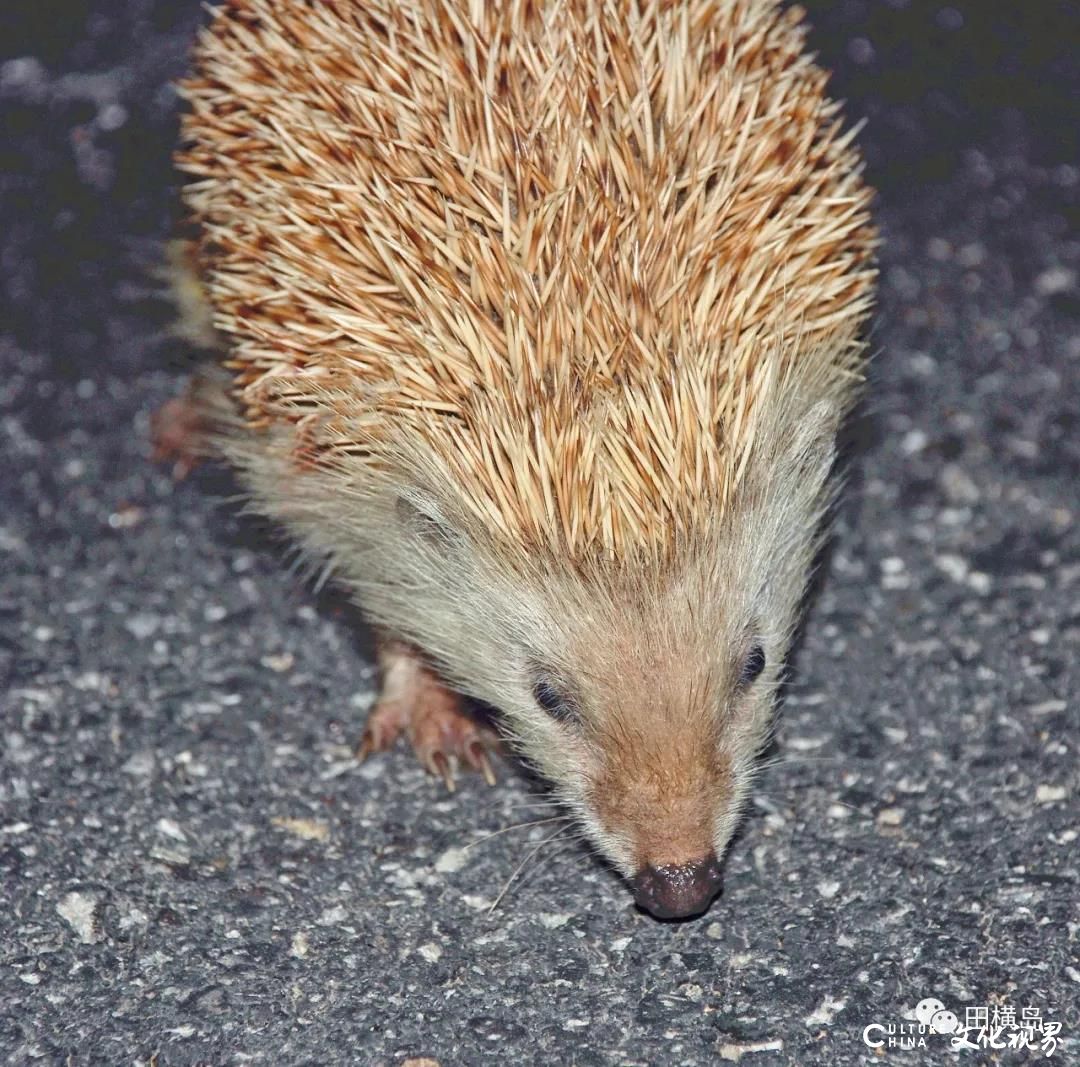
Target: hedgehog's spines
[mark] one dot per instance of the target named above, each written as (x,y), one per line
(573,257)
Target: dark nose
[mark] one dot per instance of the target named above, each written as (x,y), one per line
(678,890)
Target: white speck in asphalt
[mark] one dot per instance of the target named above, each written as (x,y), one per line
(453,859)
(78,909)
(826,1011)
(1049,794)
(553,920)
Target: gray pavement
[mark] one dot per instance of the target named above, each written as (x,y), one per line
(193,869)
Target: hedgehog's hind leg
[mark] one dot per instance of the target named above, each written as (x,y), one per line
(187,429)
(183,429)
(415,702)
(179,431)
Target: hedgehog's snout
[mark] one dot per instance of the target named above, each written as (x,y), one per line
(678,890)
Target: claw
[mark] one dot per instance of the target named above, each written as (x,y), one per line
(439,765)
(476,754)
(366,746)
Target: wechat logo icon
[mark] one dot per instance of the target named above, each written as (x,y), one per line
(936,1017)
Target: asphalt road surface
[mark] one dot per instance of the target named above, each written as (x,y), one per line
(193,869)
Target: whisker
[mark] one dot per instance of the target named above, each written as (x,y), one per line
(535,800)
(515,826)
(560,850)
(852,807)
(782,761)
(772,798)
(521,866)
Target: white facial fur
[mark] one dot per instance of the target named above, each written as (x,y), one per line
(657,758)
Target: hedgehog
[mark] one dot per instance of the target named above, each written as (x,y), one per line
(540,320)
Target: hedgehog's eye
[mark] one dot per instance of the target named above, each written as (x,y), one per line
(752,666)
(554,699)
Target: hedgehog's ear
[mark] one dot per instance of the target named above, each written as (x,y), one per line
(421,516)
(812,447)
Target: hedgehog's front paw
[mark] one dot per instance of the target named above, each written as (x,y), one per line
(414,702)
